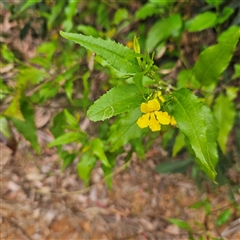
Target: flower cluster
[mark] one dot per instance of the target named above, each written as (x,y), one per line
(153,117)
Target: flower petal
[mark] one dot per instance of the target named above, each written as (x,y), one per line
(143,121)
(173,121)
(153,105)
(153,123)
(144,108)
(159,94)
(163,117)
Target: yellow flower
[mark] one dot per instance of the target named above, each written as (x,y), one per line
(159,94)
(173,121)
(152,117)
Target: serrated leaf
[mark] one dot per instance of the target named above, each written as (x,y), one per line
(98,150)
(27,128)
(202,21)
(118,100)
(85,166)
(66,138)
(13,109)
(162,30)
(191,119)
(224,112)
(121,58)
(215,59)
(126,130)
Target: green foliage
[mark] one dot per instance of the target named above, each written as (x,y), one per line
(214,60)
(224,217)
(192,119)
(118,100)
(125,130)
(199,92)
(27,126)
(162,30)
(116,55)
(224,113)
(201,22)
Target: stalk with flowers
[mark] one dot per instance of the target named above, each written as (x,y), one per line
(144,101)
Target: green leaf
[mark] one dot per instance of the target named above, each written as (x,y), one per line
(29,76)
(55,12)
(27,128)
(120,15)
(232,92)
(98,149)
(5,128)
(107,171)
(214,2)
(66,138)
(236,71)
(121,58)
(162,30)
(224,217)
(212,133)
(126,130)
(198,204)
(226,13)
(4,90)
(88,30)
(214,60)
(233,31)
(187,79)
(57,126)
(7,54)
(224,112)
(70,11)
(138,80)
(202,21)
(179,166)
(27,5)
(118,100)
(194,121)
(147,10)
(71,120)
(180,223)
(13,109)
(178,144)
(85,166)
(68,158)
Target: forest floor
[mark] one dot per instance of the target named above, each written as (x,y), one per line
(38,201)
